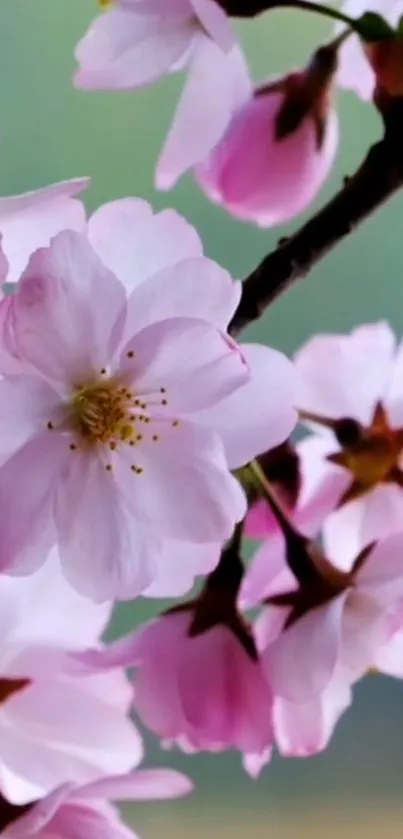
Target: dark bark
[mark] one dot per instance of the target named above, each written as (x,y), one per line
(379,177)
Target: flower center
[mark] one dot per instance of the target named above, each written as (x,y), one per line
(371,453)
(100,412)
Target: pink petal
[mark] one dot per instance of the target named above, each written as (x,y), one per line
(124,50)
(33,821)
(124,234)
(81,821)
(185,488)
(178,564)
(322,484)
(305,729)
(139,785)
(301,662)
(190,381)
(364,631)
(29,221)
(381,576)
(362,521)
(110,686)
(43,604)
(175,292)
(329,367)
(87,735)
(389,658)
(250,421)
(232,704)
(25,533)
(393,400)
(215,22)
(28,404)
(217,85)
(238,172)
(57,327)
(93,522)
(254,763)
(267,574)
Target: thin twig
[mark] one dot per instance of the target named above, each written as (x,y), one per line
(379,177)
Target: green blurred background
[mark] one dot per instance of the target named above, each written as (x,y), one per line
(50,132)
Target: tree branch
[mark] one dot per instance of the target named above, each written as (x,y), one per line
(379,177)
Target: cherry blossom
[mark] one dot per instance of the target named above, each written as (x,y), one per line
(330,627)
(260,173)
(359,416)
(57,726)
(135,42)
(84,810)
(202,691)
(126,432)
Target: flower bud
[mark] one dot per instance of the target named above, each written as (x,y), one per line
(278,148)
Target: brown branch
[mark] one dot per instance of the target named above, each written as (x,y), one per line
(379,177)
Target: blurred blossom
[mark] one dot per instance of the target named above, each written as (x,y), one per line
(135,42)
(56,726)
(75,810)
(350,393)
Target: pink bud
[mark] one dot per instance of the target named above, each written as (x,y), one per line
(262,173)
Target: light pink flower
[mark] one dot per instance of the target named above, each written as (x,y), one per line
(202,692)
(137,41)
(84,811)
(332,627)
(355,71)
(264,178)
(336,381)
(165,431)
(57,726)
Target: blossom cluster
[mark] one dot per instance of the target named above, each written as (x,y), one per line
(141,446)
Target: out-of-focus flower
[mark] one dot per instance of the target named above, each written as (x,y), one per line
(351,387)
(56,726)
(77,811)
(263,154)
(262,173)
(202,691)
(135,42)
(356,65)
(328,626)
(121,424)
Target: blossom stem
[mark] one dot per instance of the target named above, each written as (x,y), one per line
(378,178)
(317,419)
(230,571)
(252,8)
(297,545)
